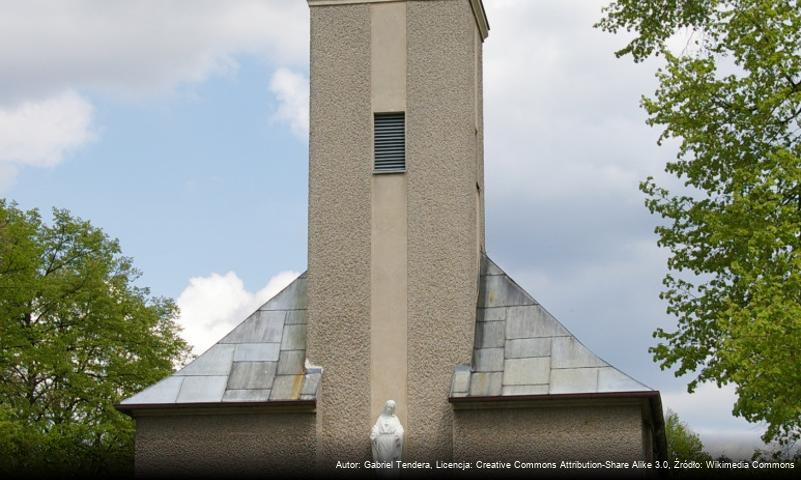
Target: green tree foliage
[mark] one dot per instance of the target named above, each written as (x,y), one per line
(779,453)
(682,443)
(733,99)
(76,336)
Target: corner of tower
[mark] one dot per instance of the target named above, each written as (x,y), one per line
(477,6)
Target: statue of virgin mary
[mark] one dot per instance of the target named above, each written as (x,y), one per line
(387,436)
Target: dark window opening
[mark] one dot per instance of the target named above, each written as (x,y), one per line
(389,142)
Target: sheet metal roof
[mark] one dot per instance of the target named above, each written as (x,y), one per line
(521,349)
(263,359)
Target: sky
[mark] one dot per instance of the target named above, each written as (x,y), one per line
(180,128)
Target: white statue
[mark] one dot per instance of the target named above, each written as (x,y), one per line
(387,436)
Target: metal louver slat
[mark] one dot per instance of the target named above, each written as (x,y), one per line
(389,137)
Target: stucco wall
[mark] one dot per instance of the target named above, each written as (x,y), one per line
(233,445)
(388,260)
(442,216)
(480,136)
(550,433)
(442,220)
(340,171)
(388,325)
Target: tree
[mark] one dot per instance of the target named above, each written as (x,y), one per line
(76,336)
(733,99)
(778,453)
(682,443)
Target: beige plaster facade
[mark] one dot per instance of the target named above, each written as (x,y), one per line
(444,228)
(340,179)
(586,431)
(393,256)
(388,315)
(405,282)
(388,223)
(388,56)
(234,444)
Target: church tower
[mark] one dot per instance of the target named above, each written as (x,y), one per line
(396,222)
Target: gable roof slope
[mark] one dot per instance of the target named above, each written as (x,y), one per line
(262,360)
(522,350)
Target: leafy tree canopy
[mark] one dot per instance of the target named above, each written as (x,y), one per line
(732,98)
(779,453)
(76,336)
(682,443)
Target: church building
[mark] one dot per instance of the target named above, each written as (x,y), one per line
(400,300)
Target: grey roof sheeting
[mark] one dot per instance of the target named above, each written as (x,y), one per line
(263,359)
(522,350)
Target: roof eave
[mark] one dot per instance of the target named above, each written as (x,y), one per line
(553,397)
(215,408)
(481,18)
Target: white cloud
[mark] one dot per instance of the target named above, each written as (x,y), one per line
(708,412)
(141,47)
(40,133)
(211,306)
(562,116)
(566,147)
(292,92)
(130,50)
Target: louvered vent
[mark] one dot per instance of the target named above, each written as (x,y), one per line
(390,142)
